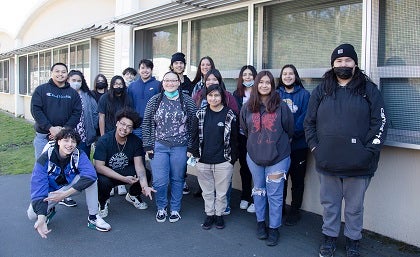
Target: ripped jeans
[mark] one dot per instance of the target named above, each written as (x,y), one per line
(268,189)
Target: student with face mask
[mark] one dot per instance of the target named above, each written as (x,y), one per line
(345,128)
(88,122)
(100,86)
(242,93)
(114,100)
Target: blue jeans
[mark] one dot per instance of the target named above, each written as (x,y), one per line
(268,189)
(85,148)
(168,166)
(40,141)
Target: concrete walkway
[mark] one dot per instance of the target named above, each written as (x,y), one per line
(136,233)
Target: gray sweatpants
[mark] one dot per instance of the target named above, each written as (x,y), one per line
(333,190)
(91,199)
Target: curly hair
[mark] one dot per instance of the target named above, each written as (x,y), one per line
(130,114)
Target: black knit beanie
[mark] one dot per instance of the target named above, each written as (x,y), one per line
(178,57)
(344,50)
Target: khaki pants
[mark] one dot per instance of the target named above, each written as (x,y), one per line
(214,180)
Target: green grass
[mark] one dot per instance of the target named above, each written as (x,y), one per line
(16,150)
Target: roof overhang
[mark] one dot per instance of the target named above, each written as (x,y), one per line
(174,9)
(84,33)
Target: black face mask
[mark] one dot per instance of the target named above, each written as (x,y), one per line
(343,72)
(100,85)
(118,90)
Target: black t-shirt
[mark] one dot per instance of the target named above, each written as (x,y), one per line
(213,137)
(118,105)
(97,95)
(115,156)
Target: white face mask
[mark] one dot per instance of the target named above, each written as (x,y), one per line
(248,84)
(76,85)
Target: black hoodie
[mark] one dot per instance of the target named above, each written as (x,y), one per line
(55,106)
(346,130)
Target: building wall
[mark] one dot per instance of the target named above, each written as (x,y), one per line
(59,17)
(7,102)
(6,42)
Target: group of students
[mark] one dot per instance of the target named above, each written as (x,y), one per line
(176,121)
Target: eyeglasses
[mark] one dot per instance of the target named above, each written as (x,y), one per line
(170,81)
(125,125)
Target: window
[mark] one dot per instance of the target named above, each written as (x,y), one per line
(34,69)
(82,59)
(23,75)
(223,38)
(4,77)
(305,32)
(61,55)
(33,73)
(44,66)
(399,70)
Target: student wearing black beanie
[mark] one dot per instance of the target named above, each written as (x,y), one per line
(345,127)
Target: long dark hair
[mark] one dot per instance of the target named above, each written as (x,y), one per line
(240,89)
(112,100)
(219,78)
(84,86)
(298,81)
(199,74)
(95,88)
(357,85)
(274,99)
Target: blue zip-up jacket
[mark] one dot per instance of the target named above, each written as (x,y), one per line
(298,104)
(141,92)
(47,169)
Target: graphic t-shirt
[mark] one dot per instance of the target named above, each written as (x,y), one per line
(171,124)
(116,156)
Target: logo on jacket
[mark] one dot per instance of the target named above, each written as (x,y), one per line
(220,124)
(293,108)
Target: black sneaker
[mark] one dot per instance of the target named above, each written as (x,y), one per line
(352,248)
(208,222)
(261,230)
(186,189)
(161,215)
(273,237)
(198,193)
(68,202)
(174,217)
(293,217)
(220,222)
(328,247)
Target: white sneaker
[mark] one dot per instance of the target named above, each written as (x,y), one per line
(112,192)
(137,202)
(99,224)
(243,205)
(251,208)
(121,190)
(103,212)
